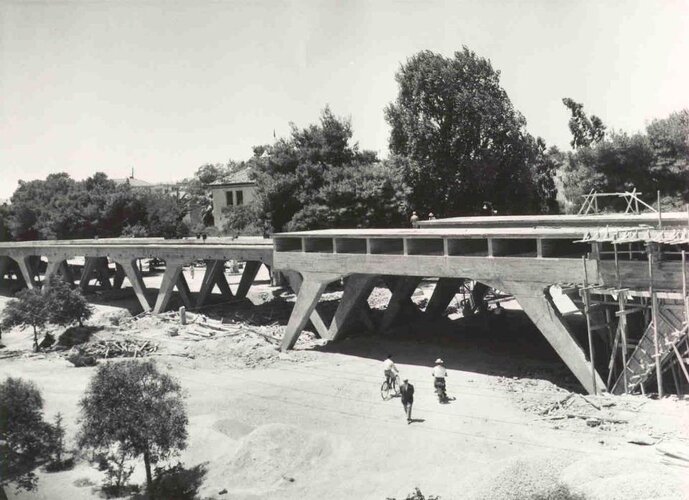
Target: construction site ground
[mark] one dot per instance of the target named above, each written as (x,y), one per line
(311,423)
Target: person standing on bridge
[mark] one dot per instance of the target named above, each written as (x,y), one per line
(414,219)
(407,395)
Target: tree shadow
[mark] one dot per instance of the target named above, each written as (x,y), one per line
(76,335)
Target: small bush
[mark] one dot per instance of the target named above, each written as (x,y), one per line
(177,483)
(417,495)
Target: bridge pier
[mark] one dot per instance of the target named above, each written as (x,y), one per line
(214,275)
(29,269)
(357,289)
(443,293)
(131,270)
(309,290)
(538,305)
(401,299)
(171,279)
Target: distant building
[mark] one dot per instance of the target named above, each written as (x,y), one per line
(236,190)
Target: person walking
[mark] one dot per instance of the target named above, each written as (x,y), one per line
(407,394)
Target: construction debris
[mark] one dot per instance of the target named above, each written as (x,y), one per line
(104,349)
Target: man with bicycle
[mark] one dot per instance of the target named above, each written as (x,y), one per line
(390,370)
(439,374)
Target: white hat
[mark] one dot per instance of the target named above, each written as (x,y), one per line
(438,361)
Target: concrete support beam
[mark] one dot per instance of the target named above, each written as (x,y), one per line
(366,316)
(53,268)
(66,271)
(295,282)
(86,272)
(537,303)
(4,266)
(103,272)
(311,288)
(214,275)
(173,269)
(184,291)
(119,277)
(27,267)
(443,293)
(248,276)
(401,294)
(134,276)
(357,289)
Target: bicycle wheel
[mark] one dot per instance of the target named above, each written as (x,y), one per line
(395,387)
(385,391)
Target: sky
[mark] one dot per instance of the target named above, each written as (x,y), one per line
(166,86)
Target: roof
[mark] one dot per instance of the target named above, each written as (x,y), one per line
(133,182)
(237,177)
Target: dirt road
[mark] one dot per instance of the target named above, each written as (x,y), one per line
(312,425)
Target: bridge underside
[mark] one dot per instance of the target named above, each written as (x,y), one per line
(32,264)
(523,262)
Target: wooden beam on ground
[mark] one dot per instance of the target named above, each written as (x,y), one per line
(131,270)
(404,288)
(248,276)
(443,293)
(357,289)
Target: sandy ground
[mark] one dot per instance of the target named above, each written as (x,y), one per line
(311,424)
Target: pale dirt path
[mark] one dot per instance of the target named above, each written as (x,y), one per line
(374,453)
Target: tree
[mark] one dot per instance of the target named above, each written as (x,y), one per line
(23,433)
(241,219)
(165,216)
(29,308)
(66,306)
(462,140)
(5,231)
(297,178)
(585,131)
(137,409)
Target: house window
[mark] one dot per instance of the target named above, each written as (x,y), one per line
(240,197)
(228,198)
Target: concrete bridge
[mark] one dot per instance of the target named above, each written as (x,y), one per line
(524,256)
(27,257)
(510,256)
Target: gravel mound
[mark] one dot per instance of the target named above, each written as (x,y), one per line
(275,454)
(623,479)
(528,477)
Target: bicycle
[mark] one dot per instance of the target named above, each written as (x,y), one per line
(390,388)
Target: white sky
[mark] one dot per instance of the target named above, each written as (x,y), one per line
(166,86)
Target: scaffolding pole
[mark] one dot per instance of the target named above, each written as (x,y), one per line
(585,296)
(654,319)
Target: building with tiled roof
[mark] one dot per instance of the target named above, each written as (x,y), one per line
(233,190)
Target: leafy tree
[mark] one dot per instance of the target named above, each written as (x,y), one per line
(242,219)
(165,216)
(585,130)
(66,306)
(29,308)
(296,176)
(358,196)
(669,141)
(462,139)
(133,407)
(5,231)
(23,433)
